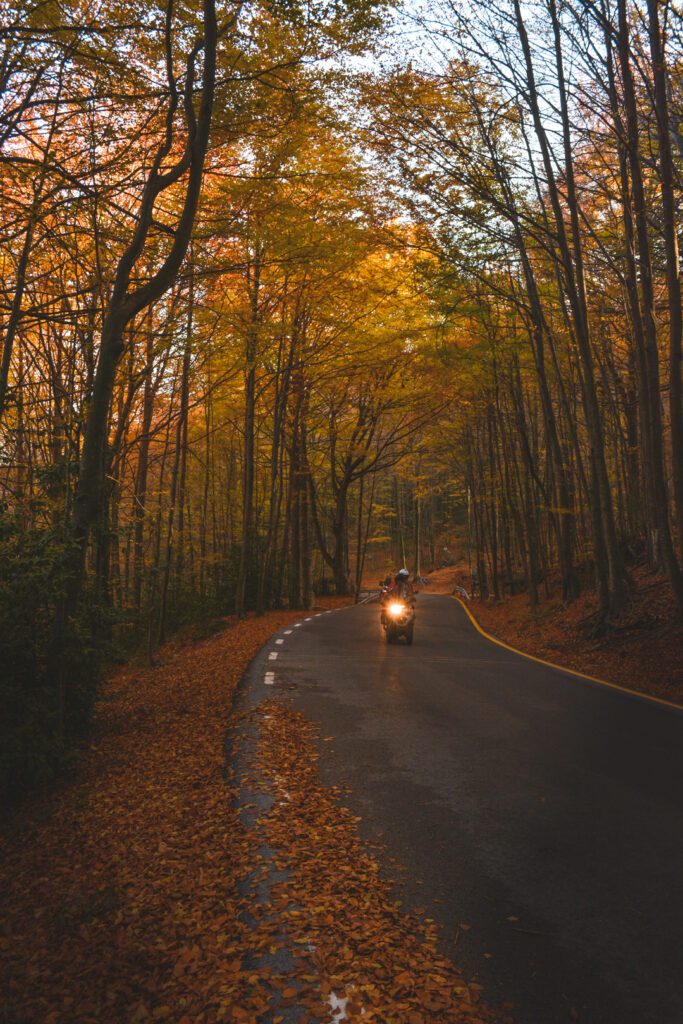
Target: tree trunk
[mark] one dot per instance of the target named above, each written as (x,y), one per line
(572,263)
(176,477)
(646,340)
(248,468)
(673,282)
(418,537)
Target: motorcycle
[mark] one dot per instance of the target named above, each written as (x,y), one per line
(398,618)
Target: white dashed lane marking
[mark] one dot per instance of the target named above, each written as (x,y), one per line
(269,677)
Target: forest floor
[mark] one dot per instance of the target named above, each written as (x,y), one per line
(642,652)
(125,888)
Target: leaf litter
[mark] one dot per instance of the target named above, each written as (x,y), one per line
(642,651)
(360,956)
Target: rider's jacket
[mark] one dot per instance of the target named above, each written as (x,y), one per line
(402,589)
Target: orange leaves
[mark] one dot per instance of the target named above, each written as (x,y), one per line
(374,963)
(237,1013)
(415,1018)
(119,900)
(636,655)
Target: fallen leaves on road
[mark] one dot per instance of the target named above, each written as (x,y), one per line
(121,897)
(382,964)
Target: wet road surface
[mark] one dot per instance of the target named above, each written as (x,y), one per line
(539,809)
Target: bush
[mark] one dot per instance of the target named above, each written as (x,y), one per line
(41,721)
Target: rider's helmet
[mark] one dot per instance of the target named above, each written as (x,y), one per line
(402,576)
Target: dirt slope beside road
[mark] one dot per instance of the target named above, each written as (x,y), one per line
(643,652)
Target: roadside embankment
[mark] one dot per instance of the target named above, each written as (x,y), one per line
(643,651)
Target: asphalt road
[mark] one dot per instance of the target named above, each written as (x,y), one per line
(543,811)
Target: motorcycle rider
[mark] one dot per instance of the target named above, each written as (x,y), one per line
(401,589)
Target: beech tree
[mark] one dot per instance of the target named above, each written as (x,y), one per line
(513,186)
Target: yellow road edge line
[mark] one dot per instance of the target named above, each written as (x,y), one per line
(571,671)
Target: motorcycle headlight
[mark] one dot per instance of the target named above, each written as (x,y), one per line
(396,609)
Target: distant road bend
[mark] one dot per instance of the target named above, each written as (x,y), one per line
(543,810)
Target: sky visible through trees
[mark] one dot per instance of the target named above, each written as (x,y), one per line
(288,289)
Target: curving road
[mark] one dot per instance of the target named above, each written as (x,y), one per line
(540,809)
